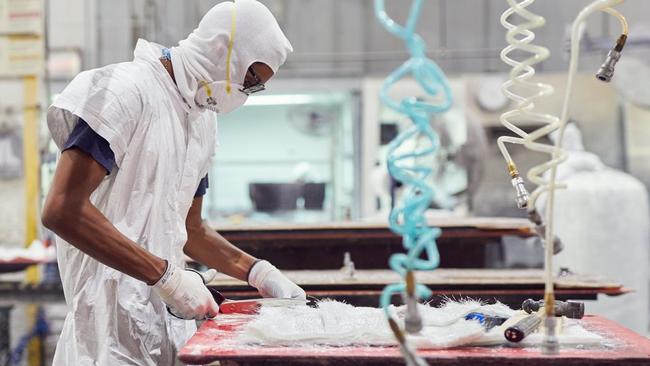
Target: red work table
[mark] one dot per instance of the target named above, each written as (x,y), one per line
(214,341)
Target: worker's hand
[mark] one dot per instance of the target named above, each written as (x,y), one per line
(185,293)
(270,282)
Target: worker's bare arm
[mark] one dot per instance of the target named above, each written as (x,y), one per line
(70,214)
(206,246)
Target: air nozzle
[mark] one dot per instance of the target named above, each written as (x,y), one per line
(606,70)
(518,183)
(522,192)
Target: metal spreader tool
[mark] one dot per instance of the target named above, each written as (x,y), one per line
(253,306)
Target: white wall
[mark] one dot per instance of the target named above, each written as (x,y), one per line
(335,38)
(71,25)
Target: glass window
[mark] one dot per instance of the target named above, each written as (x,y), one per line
(285,158)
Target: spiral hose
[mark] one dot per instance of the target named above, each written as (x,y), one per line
(407,217)
(519,38)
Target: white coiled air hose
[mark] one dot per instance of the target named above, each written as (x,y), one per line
(519,38)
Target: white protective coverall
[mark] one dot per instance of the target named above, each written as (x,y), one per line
(163,146)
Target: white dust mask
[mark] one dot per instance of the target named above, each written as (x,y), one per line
(215,97)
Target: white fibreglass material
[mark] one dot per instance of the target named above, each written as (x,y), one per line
(338,324)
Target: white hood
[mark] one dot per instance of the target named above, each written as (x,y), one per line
(202,55)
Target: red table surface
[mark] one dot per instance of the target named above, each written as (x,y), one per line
(216,341)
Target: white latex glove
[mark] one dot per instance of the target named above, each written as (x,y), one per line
(270,282)
(185,293)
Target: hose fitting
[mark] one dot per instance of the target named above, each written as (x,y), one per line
(550,343)
(606,70)
(540,229)
(522,192)
(518,183)
(412,320)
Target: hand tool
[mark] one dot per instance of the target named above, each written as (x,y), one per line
(253,306)
(527,325)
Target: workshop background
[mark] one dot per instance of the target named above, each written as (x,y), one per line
(310,150)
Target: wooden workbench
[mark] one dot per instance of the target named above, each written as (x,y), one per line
(216,341)
(462,244)
(508,224)
(507,285)
(309,253)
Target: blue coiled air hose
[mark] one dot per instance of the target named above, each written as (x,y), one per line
(407,217)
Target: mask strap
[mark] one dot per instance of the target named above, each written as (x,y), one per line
(231,41)
(208,90)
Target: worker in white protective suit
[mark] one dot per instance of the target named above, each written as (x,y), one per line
(136,140)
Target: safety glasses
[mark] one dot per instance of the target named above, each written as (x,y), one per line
(257,84)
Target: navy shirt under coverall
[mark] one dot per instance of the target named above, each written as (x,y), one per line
(85,139)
